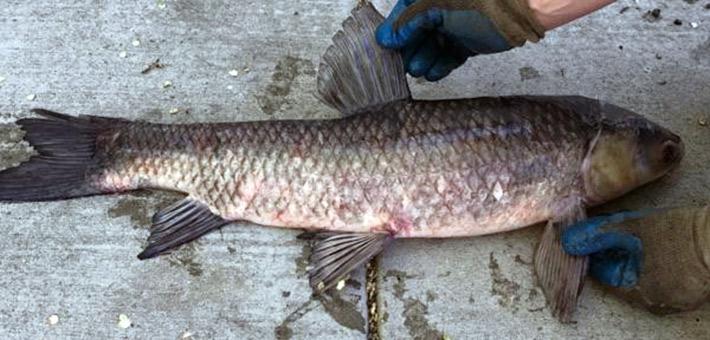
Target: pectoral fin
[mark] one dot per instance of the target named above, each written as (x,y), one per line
(335,255)
(182,222)
(561,276)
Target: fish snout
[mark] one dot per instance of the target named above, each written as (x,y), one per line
(672,150)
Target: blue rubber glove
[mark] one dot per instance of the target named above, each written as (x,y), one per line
(437,36)
(615,257)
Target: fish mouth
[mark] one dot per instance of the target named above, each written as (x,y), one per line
(673,151)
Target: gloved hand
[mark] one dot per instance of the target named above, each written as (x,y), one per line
(437,36)
(614,257)
(657,258)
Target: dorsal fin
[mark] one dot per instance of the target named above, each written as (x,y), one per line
(357,74)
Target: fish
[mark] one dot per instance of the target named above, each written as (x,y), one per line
(389,167)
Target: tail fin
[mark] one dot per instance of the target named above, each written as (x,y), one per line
(66,159)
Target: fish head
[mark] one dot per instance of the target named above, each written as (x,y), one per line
(627,152)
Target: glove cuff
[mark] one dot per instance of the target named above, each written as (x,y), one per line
(514,19)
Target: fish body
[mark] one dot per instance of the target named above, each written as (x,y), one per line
(413,169)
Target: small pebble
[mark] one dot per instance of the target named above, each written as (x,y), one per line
(31,97)
(694,25)
(2,79)
(246,69)
(702,122)
(652,15)
(53,319)
(167,84)
(161,4)
(122,54)
(186,335)
(174,111)
(230,87)
(341,285)
(233,73)
(136,43)
(123,321)
(677,22)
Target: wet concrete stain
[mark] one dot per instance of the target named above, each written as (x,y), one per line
(133,208)
(415,311)
(416,322)
(532,294)
(13,149)
(701,53)
(140,206)
(528,72)
(184,257)
(284,331)
(505,289)
(303,260)
(285,72)
(342,311)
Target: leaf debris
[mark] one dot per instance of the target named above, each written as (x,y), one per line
(153,66)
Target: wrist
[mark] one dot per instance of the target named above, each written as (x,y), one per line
(554,13)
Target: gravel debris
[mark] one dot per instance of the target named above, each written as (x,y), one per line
(53,319)
(123,321)
(652,15)
(31,97)
(167,84)
(122,54)
(234,73)
(136,42)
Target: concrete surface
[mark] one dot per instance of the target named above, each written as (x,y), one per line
(76,259)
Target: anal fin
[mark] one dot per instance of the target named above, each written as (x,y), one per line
(335,255)
(180,223)
(560,275)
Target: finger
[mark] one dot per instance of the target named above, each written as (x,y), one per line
(616,269)
(446,63)
(410,50)
(581,238)
(423,59)
(390,37)
(600,242)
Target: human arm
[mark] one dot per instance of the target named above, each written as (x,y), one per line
(437,36)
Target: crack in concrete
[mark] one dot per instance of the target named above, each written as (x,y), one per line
(372,290)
